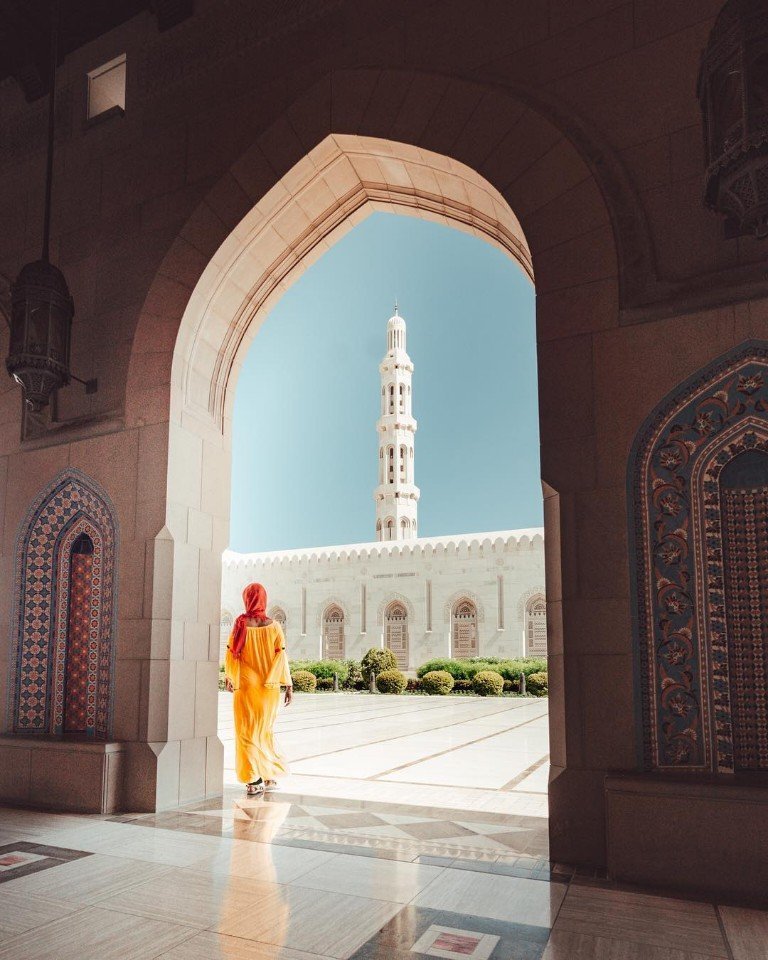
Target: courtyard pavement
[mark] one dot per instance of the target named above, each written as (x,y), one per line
(370,770)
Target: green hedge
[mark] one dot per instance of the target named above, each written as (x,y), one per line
(467,669)
(391,681)
(304,681)
(437,682)
(324,669)
(488,683)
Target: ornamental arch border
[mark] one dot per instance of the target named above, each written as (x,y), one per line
(675,552)
(456,598)
(331,602)
(28,628)
(390,599)
(525,598)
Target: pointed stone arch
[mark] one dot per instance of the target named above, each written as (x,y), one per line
(65,612)
(681,572)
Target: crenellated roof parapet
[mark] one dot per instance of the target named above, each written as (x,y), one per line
(459,545)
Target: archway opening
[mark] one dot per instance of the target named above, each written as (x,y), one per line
(343,181)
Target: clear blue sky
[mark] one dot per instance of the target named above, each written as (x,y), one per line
(305,457)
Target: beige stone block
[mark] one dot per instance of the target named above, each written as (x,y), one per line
(196,640)
(185,453)
(160,580)
(155,698)
(167,777)
(214,767)
(192,769)
(150,517)
(181,699)
(207,698)
(209,589)
(126,717)
(186,570)
(216,482)
(200,529)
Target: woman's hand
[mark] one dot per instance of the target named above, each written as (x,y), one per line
(228,685)
(288,695)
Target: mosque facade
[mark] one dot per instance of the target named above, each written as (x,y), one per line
(469,595)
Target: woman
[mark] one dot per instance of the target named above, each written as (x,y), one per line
(256,667)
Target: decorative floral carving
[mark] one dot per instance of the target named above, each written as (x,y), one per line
(680,622)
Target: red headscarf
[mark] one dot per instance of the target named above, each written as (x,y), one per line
(255,601)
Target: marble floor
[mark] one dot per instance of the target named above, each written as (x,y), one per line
(85,888)
(384,856)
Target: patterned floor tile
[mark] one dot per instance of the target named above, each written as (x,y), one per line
(420,932)
(24,858)
(345,821)
(435,830)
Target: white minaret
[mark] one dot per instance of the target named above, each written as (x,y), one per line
(396,495)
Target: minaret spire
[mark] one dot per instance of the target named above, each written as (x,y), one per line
(396,495)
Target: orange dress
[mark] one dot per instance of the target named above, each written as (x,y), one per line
(257,676)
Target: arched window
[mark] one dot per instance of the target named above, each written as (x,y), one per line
(396,632)
(536,627)
(333,633)
(403,462)
(391,398)
(405,527)
(383,401)
(391,460)
(64,617)
(402,398)
(464,629)
(381,464)
(378,529)
(278,615)
(390,529)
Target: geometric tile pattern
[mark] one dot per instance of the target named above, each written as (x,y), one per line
(745,544)
(21,858)
(677,555)
(79,695)
(70,511)
(422,932)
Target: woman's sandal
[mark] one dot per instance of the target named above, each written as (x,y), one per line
(255,789)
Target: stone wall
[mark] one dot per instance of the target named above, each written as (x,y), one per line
(498,572)
(581,117)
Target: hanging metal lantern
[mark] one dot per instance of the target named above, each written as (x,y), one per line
(733,93)
(41,321)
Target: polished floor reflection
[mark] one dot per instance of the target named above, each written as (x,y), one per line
(193,885)
(430,844)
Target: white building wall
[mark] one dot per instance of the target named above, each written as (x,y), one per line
(303,583)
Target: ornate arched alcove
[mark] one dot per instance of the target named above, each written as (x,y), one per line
(63,626)
(698,484)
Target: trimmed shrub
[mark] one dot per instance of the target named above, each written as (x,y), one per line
(413,685)
(354,676)
(391,681)
(437,682)
(462,686)
(488,683)
(304,681)
(467,669)
(509,686)
(538,684)
(323,668)
(456,668)
(325,683)
(377,661)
